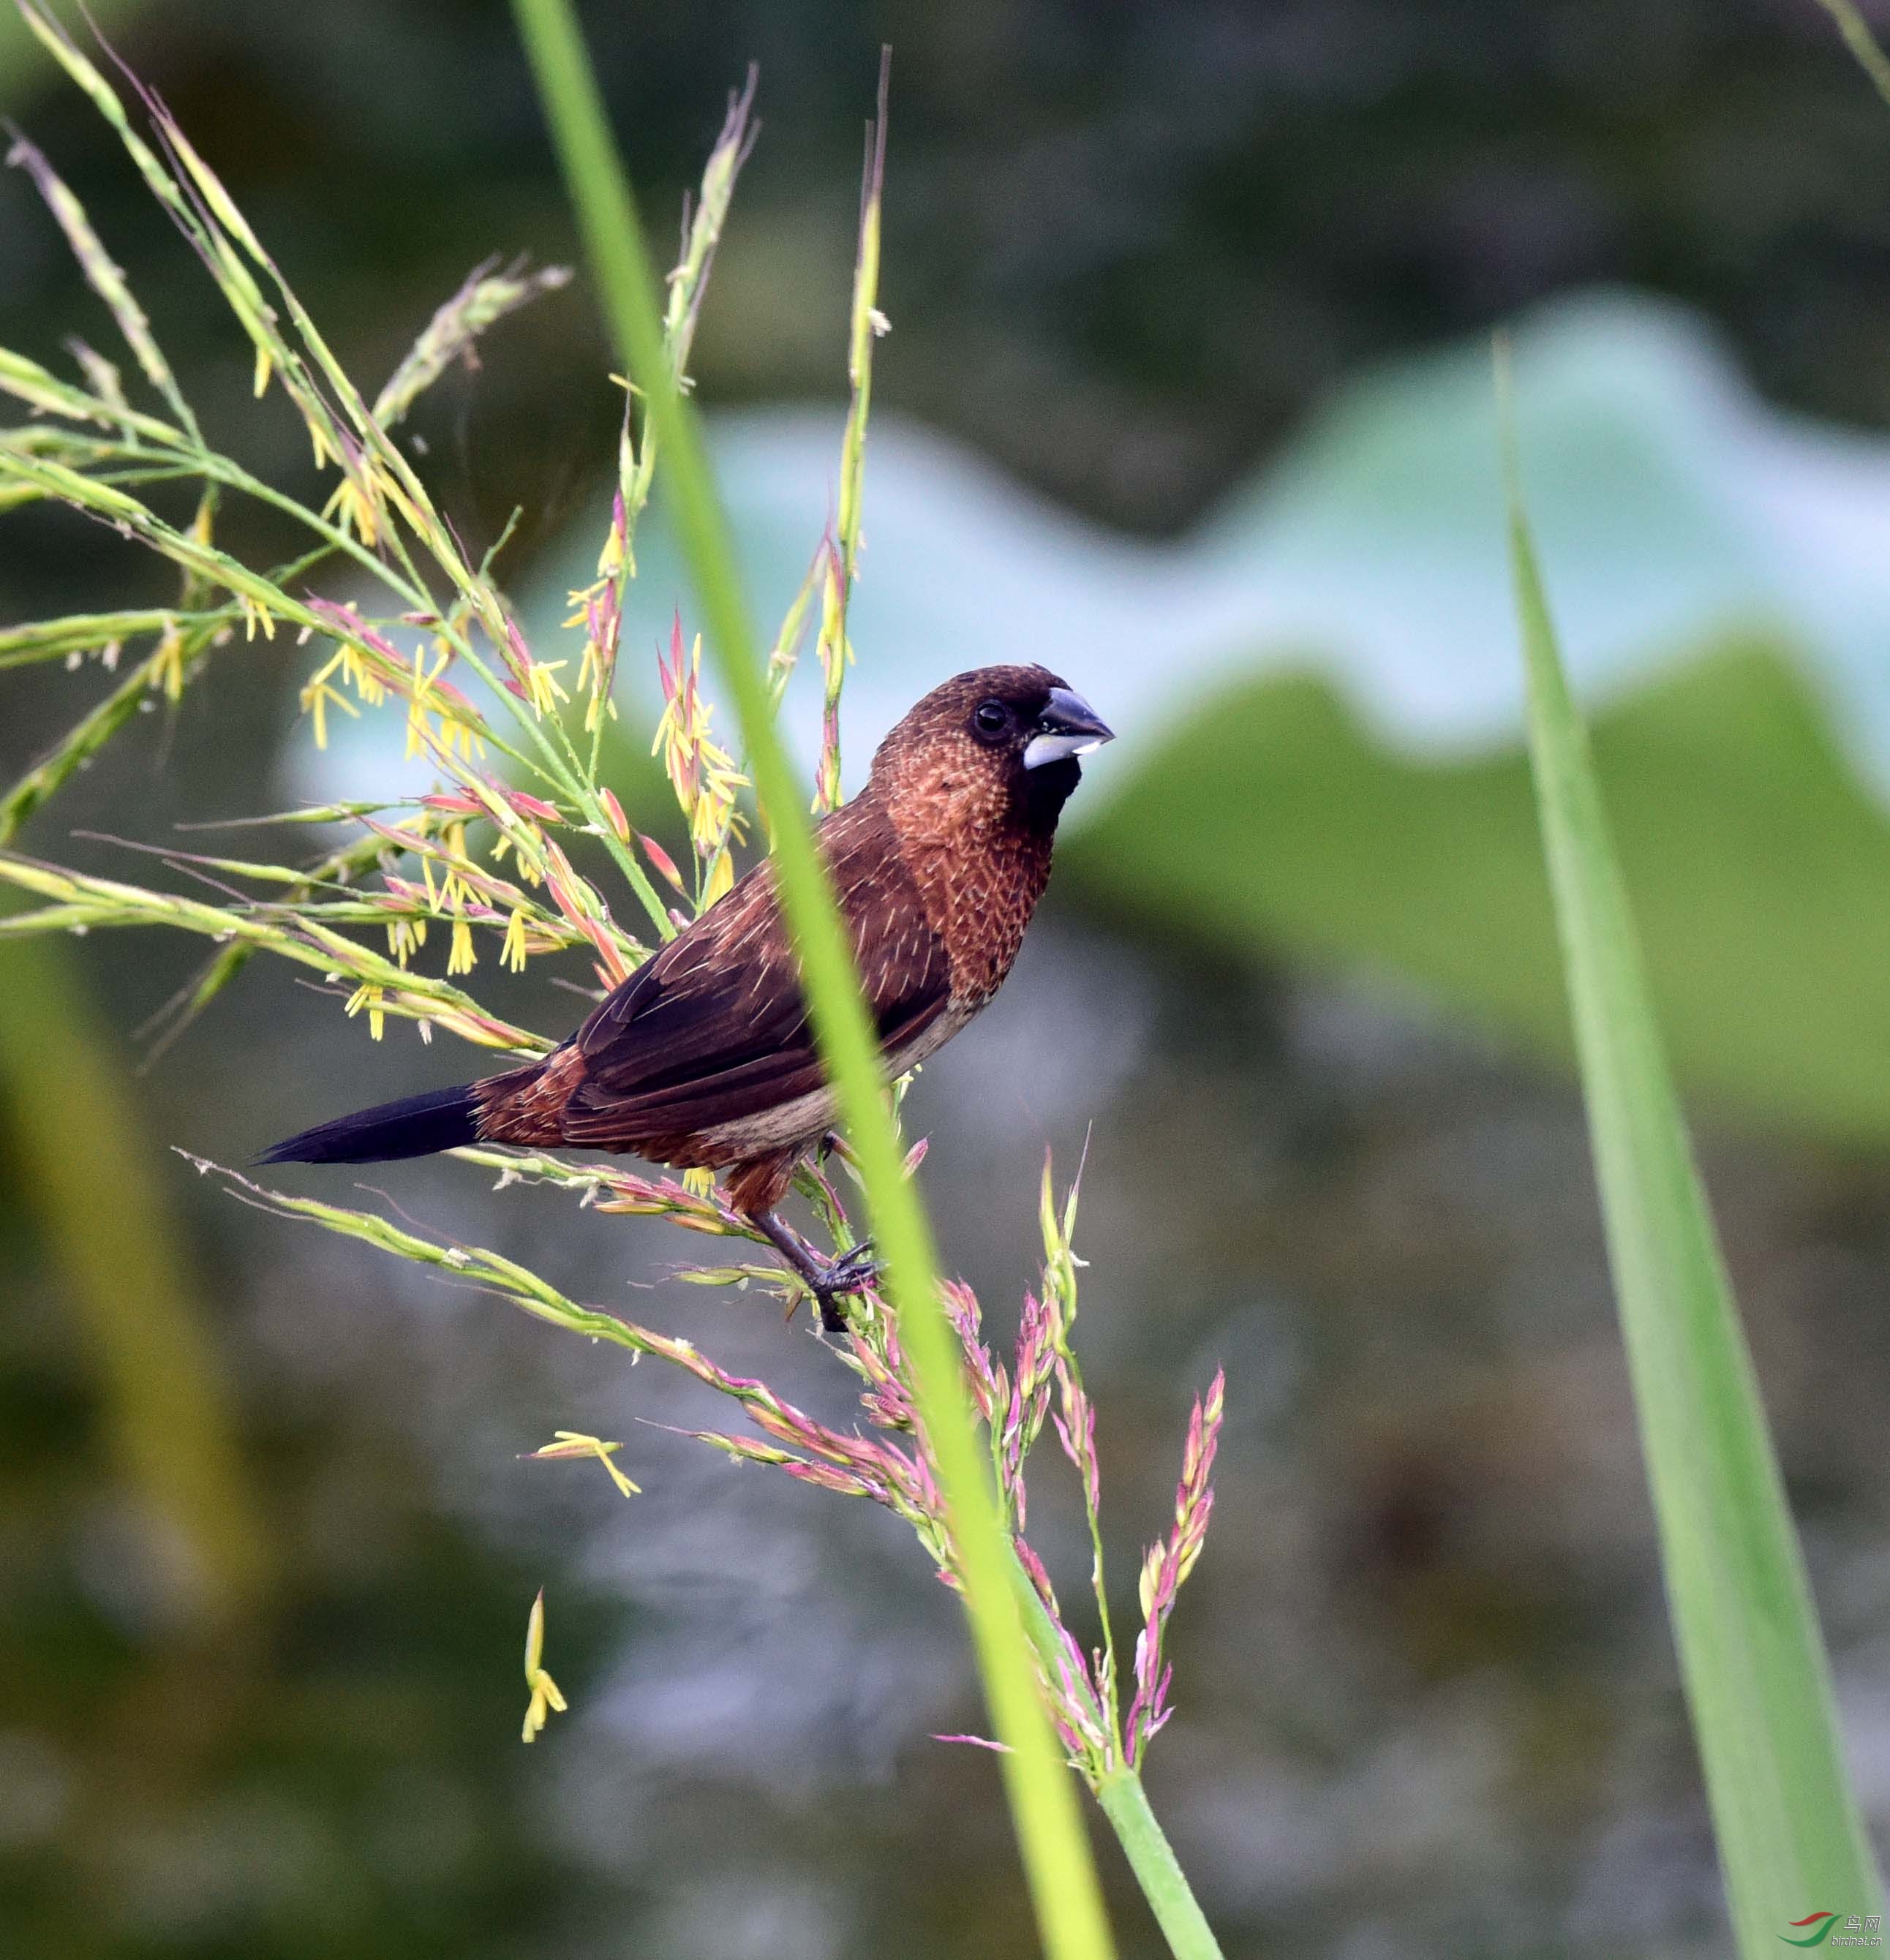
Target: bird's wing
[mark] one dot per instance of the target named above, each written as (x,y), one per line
(714,1028)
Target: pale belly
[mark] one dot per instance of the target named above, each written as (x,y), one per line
(809,1117)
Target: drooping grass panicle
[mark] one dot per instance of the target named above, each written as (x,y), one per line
(76,902)
(453,333)
(105,278)
(380,515)
(98,635)
(890,1462)
(405,654)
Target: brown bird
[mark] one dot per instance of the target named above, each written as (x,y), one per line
(704,1057)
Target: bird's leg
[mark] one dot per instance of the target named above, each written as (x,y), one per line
(827,1279)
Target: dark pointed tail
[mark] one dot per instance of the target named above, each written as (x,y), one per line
(414,1127)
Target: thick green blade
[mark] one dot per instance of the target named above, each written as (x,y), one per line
(1791,1840)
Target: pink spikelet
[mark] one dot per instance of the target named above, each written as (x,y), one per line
(962,1309)
(1075,1430)
(1168,1564)
(600,605)
(517,660)
(1069,1691)
(1022,1411)
(678,681)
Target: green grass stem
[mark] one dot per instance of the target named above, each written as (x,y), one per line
(1042,1793)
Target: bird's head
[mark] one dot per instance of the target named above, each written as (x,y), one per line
(997,744)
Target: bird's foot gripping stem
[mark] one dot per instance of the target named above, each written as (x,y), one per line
(828,1280)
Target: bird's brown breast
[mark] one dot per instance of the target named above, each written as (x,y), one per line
(977,864)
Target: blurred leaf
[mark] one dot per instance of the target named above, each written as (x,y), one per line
(1275,822)
(107,1233)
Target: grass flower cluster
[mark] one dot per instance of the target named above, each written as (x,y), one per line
(520,852)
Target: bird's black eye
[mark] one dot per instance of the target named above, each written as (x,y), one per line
(992,719)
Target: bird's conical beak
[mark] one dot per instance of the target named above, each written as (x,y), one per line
(1068,726)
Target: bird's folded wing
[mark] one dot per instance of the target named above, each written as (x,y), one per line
(715,1029)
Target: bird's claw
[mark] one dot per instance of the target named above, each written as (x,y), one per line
(827,1280)
(854,1269)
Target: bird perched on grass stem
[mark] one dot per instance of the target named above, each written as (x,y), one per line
(704,1058)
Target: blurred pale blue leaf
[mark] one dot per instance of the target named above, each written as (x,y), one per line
(1319,689)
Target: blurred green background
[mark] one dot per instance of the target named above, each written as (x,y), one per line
(1186,395)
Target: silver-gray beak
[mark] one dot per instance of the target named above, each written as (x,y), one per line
(1068,726)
